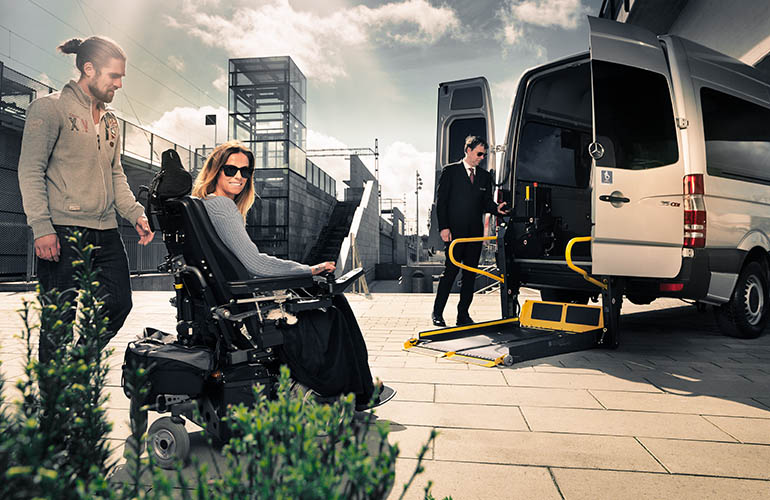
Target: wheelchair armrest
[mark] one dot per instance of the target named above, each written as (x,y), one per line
(267,284)
(342,283)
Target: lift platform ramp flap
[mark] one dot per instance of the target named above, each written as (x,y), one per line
(542,329)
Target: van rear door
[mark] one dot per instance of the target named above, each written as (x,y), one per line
(464,108)
(638,167)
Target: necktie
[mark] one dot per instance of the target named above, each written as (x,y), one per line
(472,176)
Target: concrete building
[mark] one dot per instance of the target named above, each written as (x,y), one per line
(738,28)
(267,112)
(362,191)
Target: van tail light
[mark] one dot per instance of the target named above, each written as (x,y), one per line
(694,212)
(671,287)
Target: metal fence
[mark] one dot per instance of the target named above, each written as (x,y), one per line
(141,152)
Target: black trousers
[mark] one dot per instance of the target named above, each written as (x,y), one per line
(114,282)
(326,352)
(468,254)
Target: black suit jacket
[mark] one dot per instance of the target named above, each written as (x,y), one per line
(460,205)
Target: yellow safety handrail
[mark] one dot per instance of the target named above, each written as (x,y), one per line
(468,268)
(575,268)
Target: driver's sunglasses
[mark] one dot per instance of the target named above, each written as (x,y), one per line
(230,170)
(481,155)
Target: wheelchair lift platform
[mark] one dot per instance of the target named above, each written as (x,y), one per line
(542,329)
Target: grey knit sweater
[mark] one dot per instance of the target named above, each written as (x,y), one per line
(228,223)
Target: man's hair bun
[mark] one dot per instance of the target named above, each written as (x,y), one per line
(71,46)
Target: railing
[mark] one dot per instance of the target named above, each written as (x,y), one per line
(17,91)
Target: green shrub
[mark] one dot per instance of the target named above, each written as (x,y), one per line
(56,438)
(53,442)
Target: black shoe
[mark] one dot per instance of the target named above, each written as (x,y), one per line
(437,320)
(464,320)
(385,394)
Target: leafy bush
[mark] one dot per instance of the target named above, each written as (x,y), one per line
(53,442)
(56,438)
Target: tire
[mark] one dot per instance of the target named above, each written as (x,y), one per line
(640,300)
(560,295)
(169,442)
(745,315)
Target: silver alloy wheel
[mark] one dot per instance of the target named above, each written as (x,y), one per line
(753,299)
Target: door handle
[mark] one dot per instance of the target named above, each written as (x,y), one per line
(613,199)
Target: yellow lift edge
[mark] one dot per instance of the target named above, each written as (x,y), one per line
(541,329)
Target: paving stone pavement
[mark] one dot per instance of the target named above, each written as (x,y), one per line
(678,411)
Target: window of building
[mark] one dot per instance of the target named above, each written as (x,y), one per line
(737,137)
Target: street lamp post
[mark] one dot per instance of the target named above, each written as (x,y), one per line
(418,187)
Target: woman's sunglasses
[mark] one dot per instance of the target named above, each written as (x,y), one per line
(230,170)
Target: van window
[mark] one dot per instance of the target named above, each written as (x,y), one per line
(467,98)
(553,155)
(634,117)
(553,142)
(737,134)
(459,130)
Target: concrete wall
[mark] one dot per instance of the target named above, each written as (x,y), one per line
(366,230)
(289,214)
(309,210)
(392,239)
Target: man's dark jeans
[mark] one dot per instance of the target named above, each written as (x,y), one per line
(114,282)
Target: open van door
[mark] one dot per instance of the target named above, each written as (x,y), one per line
(464,108)
(638,168)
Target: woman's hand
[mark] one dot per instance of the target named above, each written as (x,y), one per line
(323,267)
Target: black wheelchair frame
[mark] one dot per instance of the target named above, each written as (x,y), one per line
(228,330)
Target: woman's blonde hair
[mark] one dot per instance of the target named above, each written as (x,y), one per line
(206,182)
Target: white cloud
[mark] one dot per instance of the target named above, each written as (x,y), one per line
(46,80)
(176,62)
(518,15)
(505,88)
(186,126)
(398,164)
(336,166)
(316,42)
(221,81)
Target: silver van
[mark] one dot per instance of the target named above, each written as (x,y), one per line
(654,146)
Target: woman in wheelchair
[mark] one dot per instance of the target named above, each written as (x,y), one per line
(327,353)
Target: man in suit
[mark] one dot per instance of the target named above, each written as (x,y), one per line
(464,196)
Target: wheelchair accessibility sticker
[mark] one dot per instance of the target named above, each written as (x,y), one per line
(606,176)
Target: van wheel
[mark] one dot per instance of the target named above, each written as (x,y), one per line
(557,295)
(745,315)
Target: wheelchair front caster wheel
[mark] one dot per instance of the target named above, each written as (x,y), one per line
(168,442)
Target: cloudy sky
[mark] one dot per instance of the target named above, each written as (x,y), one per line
(373,67)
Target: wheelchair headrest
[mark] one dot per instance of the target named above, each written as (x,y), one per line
(172,181)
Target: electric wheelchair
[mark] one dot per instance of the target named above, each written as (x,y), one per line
(228,328)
